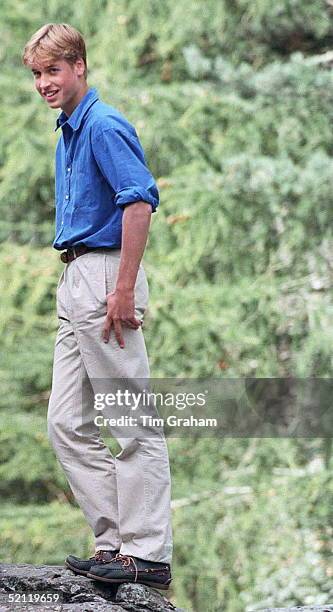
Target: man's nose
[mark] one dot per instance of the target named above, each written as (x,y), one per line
(44,81)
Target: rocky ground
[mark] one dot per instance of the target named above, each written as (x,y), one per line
(56,589)
(21,585)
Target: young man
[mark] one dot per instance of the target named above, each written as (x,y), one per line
(105,195)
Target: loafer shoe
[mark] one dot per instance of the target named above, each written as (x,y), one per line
(82,566)
(124,568)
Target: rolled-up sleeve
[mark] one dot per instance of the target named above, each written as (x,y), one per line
(120,158)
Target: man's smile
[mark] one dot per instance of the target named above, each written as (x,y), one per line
(50,94)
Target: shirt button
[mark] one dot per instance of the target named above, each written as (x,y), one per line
(67,196)
(68,169)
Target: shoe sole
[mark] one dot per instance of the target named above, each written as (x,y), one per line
(75,570)
(162,587)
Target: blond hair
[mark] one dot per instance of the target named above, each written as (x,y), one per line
(56,41)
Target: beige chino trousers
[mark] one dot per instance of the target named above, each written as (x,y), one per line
(125,498)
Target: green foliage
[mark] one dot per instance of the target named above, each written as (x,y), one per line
(43,533)
(28,471)
(260,541)
(235,119)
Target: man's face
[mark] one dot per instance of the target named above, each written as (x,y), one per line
(59,82)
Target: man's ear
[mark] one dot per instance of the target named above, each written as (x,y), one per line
(80,67)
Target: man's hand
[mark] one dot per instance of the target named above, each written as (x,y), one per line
(120,311)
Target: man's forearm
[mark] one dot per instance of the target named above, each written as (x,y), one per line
(135,228)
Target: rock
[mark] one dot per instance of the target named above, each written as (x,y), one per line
(21,585)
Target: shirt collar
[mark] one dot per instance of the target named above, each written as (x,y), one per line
(74,120)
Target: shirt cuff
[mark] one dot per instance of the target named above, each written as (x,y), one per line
(129,195)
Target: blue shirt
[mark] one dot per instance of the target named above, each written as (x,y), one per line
(100,168)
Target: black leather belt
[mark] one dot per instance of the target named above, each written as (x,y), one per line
(74,252)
